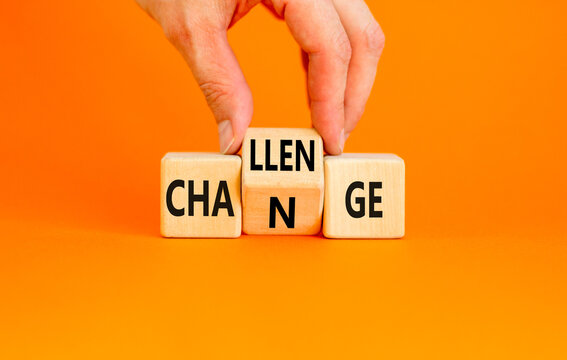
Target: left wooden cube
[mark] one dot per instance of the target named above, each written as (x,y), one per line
(200,195)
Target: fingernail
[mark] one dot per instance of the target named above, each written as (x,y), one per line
(343,139)
(226,137)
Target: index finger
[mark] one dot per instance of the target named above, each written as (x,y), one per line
(317,28)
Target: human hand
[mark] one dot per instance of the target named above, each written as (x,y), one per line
(340,39)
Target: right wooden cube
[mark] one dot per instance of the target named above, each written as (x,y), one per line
(364,196)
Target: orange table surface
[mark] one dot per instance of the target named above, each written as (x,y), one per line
(78,292)
(472,96)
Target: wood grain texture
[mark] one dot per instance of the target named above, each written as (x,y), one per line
(222,173)
(304,185)
(374,205)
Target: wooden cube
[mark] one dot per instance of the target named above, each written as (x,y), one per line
(282,181)
(200,195)
(364,196)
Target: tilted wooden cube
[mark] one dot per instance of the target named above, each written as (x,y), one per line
(364,196)
(200,195)
(282,181)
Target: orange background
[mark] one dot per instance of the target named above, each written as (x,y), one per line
(472,96)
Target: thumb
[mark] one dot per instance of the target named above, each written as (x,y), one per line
(219,76)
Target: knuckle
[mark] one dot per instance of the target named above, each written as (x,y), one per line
(342,47)
(179,27)
(215,92)
(177,31)
(373,37)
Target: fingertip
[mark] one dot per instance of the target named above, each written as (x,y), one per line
(229,139)
(238,108)
(226,137)
(333,144)
(241,120)
(232,148)
(342,140)
(333,150)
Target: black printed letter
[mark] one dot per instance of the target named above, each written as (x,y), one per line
(169,198)
(359,200)
(253,165)
(374,199)
(269,167)
(285,155)
(204,198)
(289,220)
(309,160)
(223,188)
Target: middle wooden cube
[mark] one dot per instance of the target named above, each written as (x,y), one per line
(282,181)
